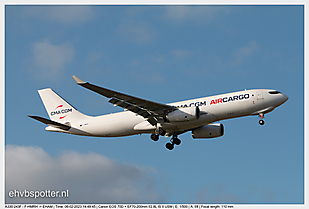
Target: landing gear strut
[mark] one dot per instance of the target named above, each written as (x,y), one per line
(170,145)
(159,131)
(261,121)
(174,140)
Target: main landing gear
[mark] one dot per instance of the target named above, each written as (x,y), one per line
(261,121)
(154,137)
(170,145)
(159,131)
(174,140)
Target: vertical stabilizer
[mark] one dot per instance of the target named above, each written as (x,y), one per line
(57,108)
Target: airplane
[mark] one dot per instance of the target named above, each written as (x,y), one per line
(141,116)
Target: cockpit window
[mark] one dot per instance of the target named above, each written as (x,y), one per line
(274,92)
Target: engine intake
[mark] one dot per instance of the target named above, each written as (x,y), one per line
(208,131)
(184,114)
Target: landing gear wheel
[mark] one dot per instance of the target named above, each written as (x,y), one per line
(261,122)
(176,141)
(169,146)
(161,131)
(154,137)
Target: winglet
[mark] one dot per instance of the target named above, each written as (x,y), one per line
(78,80)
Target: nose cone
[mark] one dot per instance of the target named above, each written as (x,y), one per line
(284,98)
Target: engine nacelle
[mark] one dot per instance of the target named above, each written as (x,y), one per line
(184,114)
(208,131)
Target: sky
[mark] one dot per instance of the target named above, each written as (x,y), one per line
(163,54)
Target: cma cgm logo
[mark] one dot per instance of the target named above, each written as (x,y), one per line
(230,99)
(63,111)
(196,104)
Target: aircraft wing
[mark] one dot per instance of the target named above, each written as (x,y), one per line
(147,109)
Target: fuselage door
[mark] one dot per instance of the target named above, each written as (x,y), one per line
(259,102)
(260,95)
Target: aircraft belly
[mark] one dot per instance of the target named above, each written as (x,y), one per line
(180,126)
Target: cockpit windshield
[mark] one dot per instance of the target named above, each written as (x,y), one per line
(274,92)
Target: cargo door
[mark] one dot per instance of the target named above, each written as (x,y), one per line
(259,100)
(260,95)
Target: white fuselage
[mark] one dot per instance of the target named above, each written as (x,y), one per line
(213,108)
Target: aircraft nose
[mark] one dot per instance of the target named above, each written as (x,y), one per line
(284,98)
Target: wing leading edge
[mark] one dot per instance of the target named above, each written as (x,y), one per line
(150,110)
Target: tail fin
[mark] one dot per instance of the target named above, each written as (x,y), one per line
(57,108)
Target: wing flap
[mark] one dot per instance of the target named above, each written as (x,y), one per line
(133,108)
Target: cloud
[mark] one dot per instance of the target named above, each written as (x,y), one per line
(181,53)
(90,178)
(235,194)
(144,70)
(146,67)
(49,59)
(61,14)
(243,52)
(138,32)
(203,14)
(220,193)
(70,14)
(236,59)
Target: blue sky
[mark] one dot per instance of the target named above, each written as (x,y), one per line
(164,54)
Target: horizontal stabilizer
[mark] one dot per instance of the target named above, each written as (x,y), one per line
(51,123)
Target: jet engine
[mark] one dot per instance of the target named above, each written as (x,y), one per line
(184,114)
(208,131)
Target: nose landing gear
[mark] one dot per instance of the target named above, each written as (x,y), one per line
(261,121)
